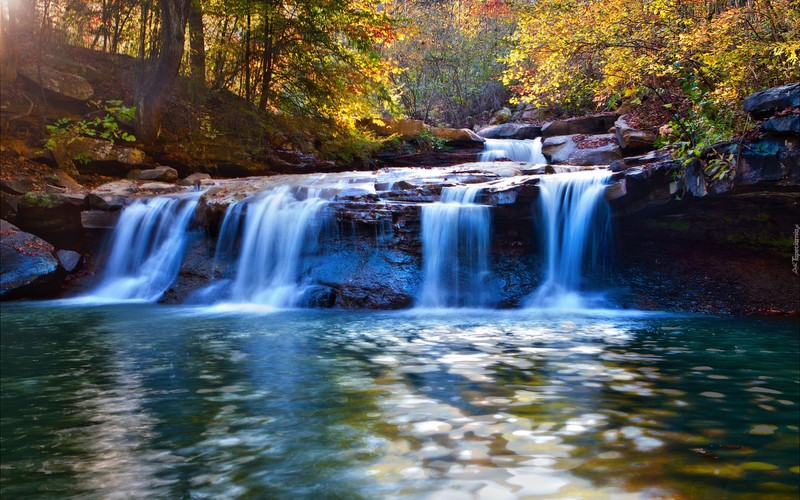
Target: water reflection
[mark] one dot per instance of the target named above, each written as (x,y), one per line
(155,401)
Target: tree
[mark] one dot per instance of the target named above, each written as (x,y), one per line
(154,90)
(699,58)
(450,58)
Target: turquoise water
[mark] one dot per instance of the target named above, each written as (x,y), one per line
(153,401)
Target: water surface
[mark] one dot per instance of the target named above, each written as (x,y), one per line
(154,401)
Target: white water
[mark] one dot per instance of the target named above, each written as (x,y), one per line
(455,247)
(147,248)
(513,149)
(576,225)
(279,229)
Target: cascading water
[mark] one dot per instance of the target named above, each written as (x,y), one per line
(455,247)
(147,248)
(279,229)
(526,150)
(576,224)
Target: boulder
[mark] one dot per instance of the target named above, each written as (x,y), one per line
(788,125)
(99,219)
(69,260)
(25,260)
(112,195)
(596,150)
(511,131)
(97,156)
(61,179)
(18,185)
(194,179)
(559,148)
(594,124)
(9,205)
(503,115)
(760,161)
(161,174)
(57,82)
(463,137)
(767,102)
(404,127)
(631,140)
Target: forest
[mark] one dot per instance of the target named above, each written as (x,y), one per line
(685,64)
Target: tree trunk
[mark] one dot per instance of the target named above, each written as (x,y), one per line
(197,46)
(18,28)
(152,93)
(247,95)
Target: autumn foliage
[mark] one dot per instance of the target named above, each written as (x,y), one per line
(698,57)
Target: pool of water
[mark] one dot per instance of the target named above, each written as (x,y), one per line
(155,401)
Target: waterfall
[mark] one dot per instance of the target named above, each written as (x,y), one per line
(279,229)
(575,225)
(513,149)
(147,248)
(455,247)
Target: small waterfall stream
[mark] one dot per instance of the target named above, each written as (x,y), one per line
(575,225)
(455,247)
(279,229)
(527,150)
(147,248)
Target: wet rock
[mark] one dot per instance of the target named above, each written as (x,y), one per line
(317,296)
(58,82)
(26,260)
(594,124)
(767,102)
(161,174)
(69,260)
(511,131)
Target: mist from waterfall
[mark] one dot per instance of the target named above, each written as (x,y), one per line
(527,150)
(455,248)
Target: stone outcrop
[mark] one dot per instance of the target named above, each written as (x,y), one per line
(511,131)
(87,155)
(459,137)
(26,261)
(590,125)
(161,174)
(767,102)
(633,141)
(58,82)
(578,149)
